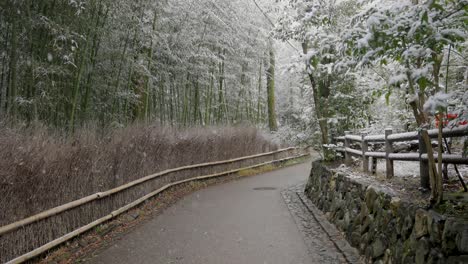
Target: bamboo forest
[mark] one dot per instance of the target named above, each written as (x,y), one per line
(128,129)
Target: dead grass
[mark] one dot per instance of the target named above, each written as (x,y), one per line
(40,169)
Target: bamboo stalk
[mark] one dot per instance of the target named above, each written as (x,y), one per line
(259,92)
(148,83)
(123,209)
(270,76)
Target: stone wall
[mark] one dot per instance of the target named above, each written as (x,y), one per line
(384,227)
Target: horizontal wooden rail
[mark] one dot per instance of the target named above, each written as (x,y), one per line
(353,138)
(389,138)
(375,138)
(99,195)
(403,136)
(446,158)
(433,133)
(404,156)
(375,154)
(354,151)
(121,210)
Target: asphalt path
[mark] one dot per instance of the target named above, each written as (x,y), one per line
(243,221)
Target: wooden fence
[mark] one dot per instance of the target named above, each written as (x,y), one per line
(32,236)
(388,139)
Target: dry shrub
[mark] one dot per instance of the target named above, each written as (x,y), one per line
(40,170)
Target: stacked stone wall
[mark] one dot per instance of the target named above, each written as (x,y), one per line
(382,226)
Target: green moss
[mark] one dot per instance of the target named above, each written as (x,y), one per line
(258,170)
(295,161)
(449,208)
(270,167)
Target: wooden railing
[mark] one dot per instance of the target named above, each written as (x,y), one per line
(389,138)
(27,238)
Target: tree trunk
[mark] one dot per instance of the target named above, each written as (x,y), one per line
(76,86)
(271,91)
(321,91)
(259,92)
(220,89)
(196,103)
(208,100)
(3,76)
(423,120)
(148,83)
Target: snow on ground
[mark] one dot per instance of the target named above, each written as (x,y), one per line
(406,183)
(405,169)
(400,168)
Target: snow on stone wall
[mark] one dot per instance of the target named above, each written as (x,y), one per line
(386,228)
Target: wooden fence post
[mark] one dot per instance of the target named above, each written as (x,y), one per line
(364,148)
(347,145)
(388,150)
(423,164)
(374,166)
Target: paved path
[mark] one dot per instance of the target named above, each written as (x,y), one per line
(228,223)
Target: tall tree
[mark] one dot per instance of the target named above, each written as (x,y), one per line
(272,122)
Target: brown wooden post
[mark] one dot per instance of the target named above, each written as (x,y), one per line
(423,164)
(333,137)
(374,166)
(388,150)
(347,145)
(364,148)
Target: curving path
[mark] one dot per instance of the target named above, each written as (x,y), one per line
(228,223)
